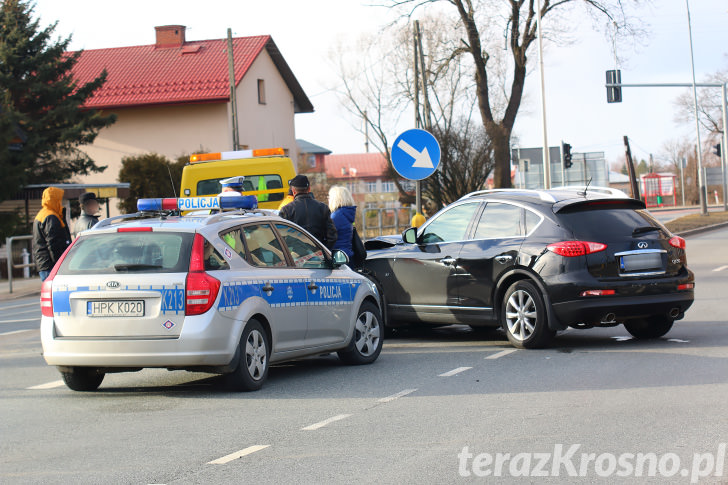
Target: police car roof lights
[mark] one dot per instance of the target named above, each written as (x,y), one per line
(247,202)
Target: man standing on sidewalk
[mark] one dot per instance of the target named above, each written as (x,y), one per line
(88,217)
(50,232)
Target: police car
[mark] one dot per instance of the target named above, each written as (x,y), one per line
(227,293)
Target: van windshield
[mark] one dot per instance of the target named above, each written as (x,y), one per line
(251,183)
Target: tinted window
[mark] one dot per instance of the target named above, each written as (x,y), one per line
(304,251)
(499,221)
(594,223)
(127,252)
(451,225)
(263,246)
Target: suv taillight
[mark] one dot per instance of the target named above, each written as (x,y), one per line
(46,289)
(677,242)
(200,287)
(571,249)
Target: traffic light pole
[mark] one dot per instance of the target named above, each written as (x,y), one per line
(701,181)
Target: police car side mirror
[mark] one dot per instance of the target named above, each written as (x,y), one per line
(410,235)
(339,258)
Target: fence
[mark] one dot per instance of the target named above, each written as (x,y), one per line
(25,255)
(382,221)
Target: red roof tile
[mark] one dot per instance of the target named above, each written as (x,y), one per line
(364,165)
(196,72)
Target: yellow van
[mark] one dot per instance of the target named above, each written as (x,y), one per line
(267,172)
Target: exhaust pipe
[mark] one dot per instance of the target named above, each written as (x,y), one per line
(674,313)
(608,318)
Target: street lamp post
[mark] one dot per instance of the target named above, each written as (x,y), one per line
(546,158)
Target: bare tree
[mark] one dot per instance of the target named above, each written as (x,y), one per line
(480,22)
(709,106)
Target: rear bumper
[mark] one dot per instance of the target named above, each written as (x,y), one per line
(200,344)
(594,309)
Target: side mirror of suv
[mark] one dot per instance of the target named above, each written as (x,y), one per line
(339,258)
(410,235)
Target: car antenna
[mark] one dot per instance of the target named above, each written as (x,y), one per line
(171,181)
(586,188)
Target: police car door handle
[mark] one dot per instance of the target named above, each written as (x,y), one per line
(267,287)
(449,261)
(312,286)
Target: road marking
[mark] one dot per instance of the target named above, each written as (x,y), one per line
(502,353)
(721,268)
(680,341)
(454,371)
(36,304)
(323,423)
(18,331)
(22,320)
(238,454)
(622,338)
(47,385)
(397,396)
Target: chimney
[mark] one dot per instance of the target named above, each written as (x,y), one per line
(170,35)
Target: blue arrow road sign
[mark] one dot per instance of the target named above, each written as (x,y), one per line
(415,154)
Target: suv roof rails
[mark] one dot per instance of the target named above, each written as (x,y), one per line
(593,188)
(541,194)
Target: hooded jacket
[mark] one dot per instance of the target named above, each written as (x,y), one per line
(343,218)
(50,233)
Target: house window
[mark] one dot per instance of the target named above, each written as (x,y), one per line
(352,187)
(389,187)
(371,187)
(261,91)
(312,161)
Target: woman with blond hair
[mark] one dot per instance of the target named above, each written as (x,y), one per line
(343,213)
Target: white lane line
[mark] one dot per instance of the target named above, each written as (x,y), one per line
(18,331)
(622,338)
(323,423)
(35,304)
(502,353)
(47,385)
(677,340)
(237,454)
(396,396)
(454,371)
(721,268)
(22,320)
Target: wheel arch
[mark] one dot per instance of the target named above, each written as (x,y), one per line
(519,274)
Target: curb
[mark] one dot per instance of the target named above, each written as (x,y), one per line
(700,230)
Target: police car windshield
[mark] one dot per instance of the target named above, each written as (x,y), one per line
(158,252)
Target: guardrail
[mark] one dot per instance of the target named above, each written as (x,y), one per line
(9,246)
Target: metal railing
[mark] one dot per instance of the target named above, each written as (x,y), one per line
(9,247)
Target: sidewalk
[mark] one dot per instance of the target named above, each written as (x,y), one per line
(21,288)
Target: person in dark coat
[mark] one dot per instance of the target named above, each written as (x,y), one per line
(88,217)
(310,214)
(343,213)
(51,236)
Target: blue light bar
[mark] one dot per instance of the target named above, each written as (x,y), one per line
(197,203)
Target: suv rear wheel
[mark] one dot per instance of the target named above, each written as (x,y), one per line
(252,367)
(523,316)
(83,379)
(651,327)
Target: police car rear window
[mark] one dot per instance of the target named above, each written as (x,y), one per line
(129,252)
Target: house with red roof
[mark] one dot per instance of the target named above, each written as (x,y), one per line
(173,98)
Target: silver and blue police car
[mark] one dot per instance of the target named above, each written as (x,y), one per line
(228,293)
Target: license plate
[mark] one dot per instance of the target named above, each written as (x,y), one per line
(641,262)
(115,308)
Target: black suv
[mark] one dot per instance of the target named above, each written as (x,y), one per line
(536,262)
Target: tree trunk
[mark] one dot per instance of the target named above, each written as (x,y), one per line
(500,138)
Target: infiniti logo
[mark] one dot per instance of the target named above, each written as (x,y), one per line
(112,284)
(642,245)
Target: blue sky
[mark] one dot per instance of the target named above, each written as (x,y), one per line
(305,31)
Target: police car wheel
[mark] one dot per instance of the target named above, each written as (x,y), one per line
(83,379)
(366,344)
(254,352)
(523,316)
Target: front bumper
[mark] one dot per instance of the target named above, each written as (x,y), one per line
(201,343)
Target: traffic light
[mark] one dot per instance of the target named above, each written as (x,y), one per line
(614,94)
(716,150)
(566,151)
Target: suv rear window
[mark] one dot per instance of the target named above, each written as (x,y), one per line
(129,252)
(596,223)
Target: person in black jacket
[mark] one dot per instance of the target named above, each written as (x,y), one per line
(51,236)
(310,214)
(88,218)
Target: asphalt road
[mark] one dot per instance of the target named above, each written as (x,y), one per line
(439,406)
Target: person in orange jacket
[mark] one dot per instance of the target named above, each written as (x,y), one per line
(51,235)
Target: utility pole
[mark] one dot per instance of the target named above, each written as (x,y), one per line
(652,164)
(683,164)
(233,97)
(634,188)
(701,181)
(546,155)
(724,155)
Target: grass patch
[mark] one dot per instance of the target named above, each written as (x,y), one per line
(695,221)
